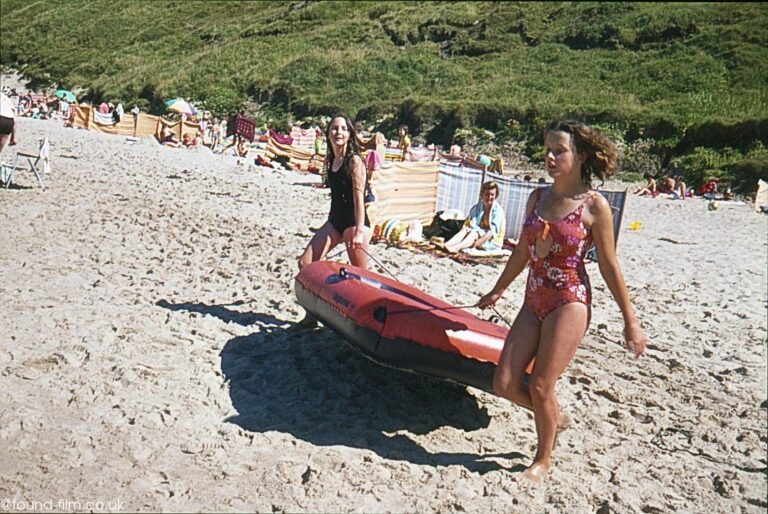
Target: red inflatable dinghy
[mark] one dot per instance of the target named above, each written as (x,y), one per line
(400,326)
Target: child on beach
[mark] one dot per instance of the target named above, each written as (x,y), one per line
(347,220)
(562,221)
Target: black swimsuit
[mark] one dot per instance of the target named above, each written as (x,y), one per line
(342,215)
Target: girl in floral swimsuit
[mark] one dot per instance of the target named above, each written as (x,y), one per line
(563,220)
(558,276)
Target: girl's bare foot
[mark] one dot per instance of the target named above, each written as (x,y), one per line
(534,475)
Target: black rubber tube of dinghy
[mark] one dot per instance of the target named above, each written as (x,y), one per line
(399,353)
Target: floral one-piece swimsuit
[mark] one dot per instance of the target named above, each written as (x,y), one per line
(559,277)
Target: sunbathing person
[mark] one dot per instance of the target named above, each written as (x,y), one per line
(167,138)
(484,227)
(44,112)
(679,188)
(649,188)
(666,185)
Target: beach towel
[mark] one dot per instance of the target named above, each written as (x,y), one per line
(296,158)
(393,154)
(372,162)
(761,196)
(303,138)
(283,140)
(239,125)
(117,115)
(103,118)
(421,154)
(376,140)
(477,252)
(473,258)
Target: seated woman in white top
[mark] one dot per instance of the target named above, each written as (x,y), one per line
(485,225)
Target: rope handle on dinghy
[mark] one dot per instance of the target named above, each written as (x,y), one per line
(492,319)
(495,318)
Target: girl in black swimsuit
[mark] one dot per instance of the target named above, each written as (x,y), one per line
(347,220)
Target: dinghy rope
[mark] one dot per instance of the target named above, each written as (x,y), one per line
(384,268)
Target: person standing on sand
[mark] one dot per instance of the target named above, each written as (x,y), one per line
(404,142)
(562,221)
(347,219)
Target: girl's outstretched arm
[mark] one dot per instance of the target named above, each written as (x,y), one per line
(602,232)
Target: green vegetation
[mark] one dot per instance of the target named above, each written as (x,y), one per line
(670,78)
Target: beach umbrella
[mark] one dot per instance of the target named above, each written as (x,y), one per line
(66,94)
(179,105)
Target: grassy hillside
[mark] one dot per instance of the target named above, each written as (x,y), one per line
(683,76)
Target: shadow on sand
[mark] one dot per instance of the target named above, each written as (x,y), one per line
(310,384)
(16,186)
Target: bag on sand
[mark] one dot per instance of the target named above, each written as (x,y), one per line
(442,228)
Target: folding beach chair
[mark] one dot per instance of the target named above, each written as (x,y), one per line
(617,200)
(38,163)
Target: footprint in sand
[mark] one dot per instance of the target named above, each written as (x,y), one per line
(194,447)
(34,368)
(609,396)
(76,355)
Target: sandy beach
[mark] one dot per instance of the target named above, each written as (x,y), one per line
(147,356)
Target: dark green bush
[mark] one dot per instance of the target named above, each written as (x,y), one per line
(222,101)
(745,174)
(703,164)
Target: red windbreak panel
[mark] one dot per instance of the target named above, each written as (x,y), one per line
(412,314)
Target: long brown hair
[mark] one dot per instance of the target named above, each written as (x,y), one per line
(352,147)
(601,155)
